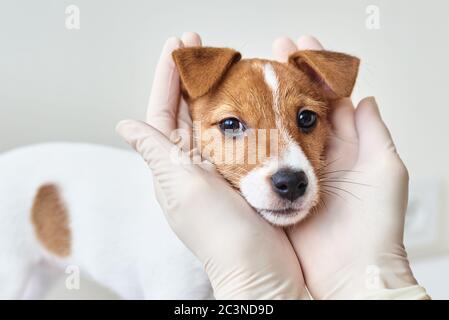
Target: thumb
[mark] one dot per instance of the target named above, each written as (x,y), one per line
(342,119)
(374,136)
(156,149)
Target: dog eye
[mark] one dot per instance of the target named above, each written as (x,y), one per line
(306,120)
(232,127)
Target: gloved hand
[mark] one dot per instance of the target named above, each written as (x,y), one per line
(243,256)
(352,247)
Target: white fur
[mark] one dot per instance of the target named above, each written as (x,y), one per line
(256,185)
(273,83)
(119,235)
(257,189)
(271,79)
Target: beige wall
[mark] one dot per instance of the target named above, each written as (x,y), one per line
(61,85)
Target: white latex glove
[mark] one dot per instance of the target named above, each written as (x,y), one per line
(243,255)
(352,247)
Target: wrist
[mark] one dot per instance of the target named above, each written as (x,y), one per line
(385,272)
(390,271)
(414,292)
(285,291)
(256,282)
(366,275)
(244,285)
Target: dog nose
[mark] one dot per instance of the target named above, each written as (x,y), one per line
(289,184)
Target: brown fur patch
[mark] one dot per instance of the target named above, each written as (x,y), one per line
(335,71)
(50,220)
(209,66)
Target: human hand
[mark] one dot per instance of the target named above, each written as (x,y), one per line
(353,243)
(243,256)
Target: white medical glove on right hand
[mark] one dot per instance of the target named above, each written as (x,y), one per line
(243,255)
(352,246)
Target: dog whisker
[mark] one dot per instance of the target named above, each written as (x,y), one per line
(327,165)
(326,174)
(330,193)
(346,181)
(321,203)
(344,190)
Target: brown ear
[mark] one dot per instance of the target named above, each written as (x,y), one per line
(335,72)
(201,68)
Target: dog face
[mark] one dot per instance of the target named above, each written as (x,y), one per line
(263,123)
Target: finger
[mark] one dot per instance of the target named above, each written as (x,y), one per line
(161,155)
(342,118)
(282,48)
(191,39)
(308,43)
(374,135)
(185,127)
(164,98)
(184,121)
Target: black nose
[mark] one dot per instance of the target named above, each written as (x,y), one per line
(289,184)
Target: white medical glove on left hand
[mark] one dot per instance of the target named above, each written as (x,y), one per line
(243,255)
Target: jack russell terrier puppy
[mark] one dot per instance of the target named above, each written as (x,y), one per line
(93,207)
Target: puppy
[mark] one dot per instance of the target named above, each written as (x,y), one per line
(268,121)
(92,208)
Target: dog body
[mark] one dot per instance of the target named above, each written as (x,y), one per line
(93,207)
(118,235)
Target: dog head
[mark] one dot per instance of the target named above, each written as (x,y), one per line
(263,123)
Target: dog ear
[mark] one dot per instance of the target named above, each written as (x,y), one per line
(202,68)
(335,72)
